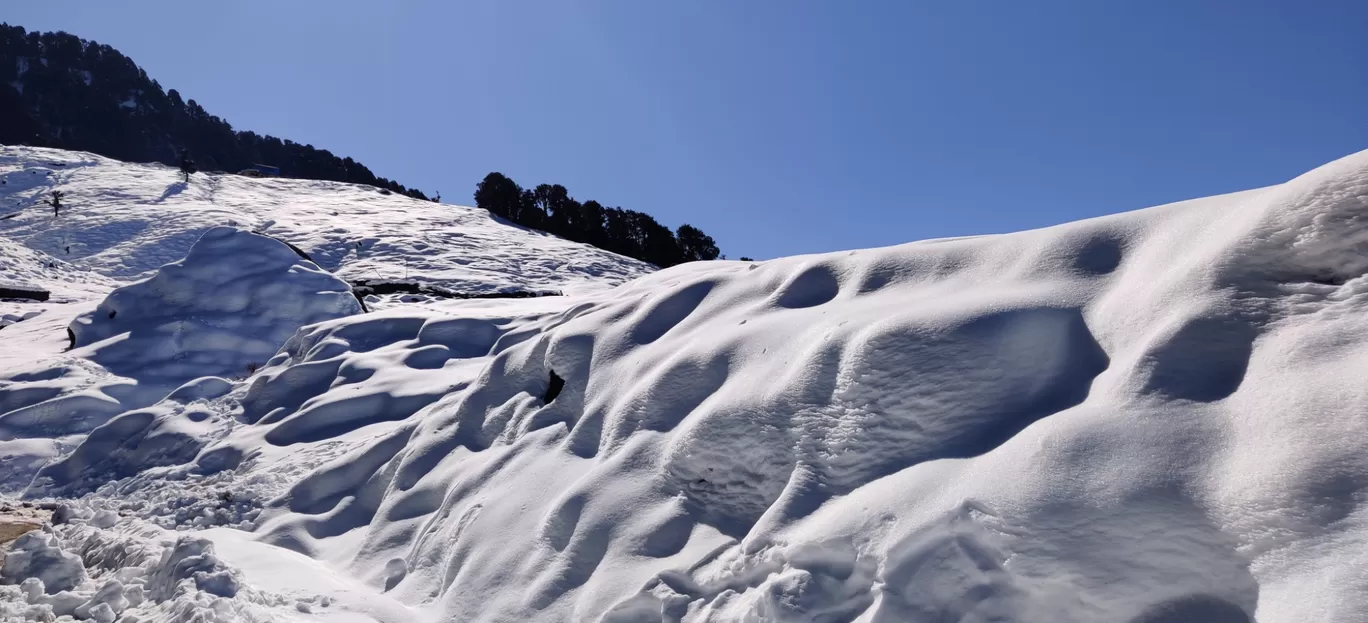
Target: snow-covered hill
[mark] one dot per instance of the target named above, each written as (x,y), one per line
(1152,417)
(124,220)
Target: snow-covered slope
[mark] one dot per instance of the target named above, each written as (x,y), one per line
(124,220)
(1152,417)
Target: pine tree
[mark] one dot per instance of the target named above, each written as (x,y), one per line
(591,223)
(56,202)
(499,195)
(695,245)
(187,166)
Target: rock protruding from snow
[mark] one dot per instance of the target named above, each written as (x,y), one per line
(221,311)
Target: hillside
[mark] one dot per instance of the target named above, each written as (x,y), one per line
(58,90)
(122,221)
(1151,417)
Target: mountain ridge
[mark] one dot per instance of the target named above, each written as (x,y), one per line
(59,90)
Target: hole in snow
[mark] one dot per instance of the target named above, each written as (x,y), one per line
(1197,607)
(395,571)
(553,388)
(1203,361)
(1100,255)
(812,287)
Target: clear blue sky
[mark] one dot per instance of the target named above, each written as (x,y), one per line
(780,127)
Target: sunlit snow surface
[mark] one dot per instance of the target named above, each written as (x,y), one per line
(1153,417)
(124,220)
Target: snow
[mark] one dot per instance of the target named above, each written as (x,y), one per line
(224,309)
(37,555)
(303,579)
(1151,417)
(124,221)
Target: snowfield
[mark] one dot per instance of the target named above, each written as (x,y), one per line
(1151,417)
(123,221)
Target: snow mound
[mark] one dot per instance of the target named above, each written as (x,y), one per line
(1105,420)
(170,432)
(1151,417)
(223,310)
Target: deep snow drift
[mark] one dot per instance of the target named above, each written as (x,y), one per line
(1152,417)
(227,307)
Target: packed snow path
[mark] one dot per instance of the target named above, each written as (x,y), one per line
(1152,417)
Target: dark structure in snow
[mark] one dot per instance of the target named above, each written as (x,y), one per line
(260,170)
(28,293)
(367,287)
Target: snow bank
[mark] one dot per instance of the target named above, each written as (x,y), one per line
(223,310)
(1057,425)
(1151,417)
(172,432)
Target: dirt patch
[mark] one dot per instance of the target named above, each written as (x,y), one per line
(19,519)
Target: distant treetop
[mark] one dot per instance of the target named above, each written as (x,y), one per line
(626,232)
